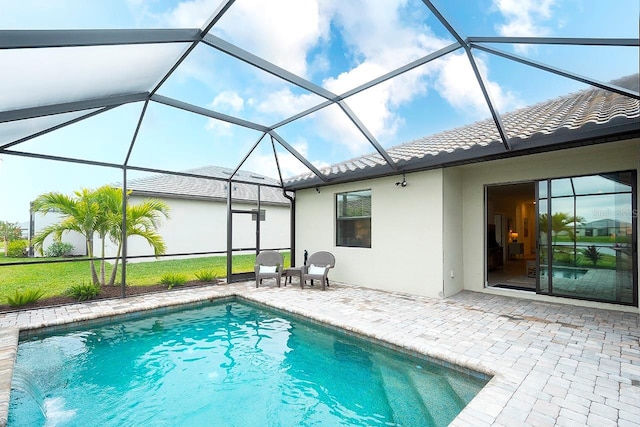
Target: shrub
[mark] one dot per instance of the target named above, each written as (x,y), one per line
(25,297)
(562,256)
(58,249)
(83,291)
(17,248)
(172,280)
(592,254)
(206,275)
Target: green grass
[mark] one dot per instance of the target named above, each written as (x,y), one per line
(565,258)
(55,278)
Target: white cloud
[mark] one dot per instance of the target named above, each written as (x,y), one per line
(285,103)
(379,42)
(220,128)
(190,14)
(522,18)
(373,107)
(457,83)
(228,101)
(287,30)
(375,31)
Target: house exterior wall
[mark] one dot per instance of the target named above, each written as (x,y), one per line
(434,227)
(42,221)
(624,155)
(201,226)
(193,226)
(406,233)
(453,241)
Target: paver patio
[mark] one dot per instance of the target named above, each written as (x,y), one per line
(552,364)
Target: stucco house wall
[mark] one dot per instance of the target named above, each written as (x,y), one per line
(453,236)
(428,237)
(201,226)
(42,221)
(406,233)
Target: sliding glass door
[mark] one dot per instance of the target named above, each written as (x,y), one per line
(586,237)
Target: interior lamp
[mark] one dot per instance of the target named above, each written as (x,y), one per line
(514,236)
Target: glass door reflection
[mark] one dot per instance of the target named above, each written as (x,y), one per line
(586,237)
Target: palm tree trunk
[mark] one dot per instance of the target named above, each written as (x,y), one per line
(102,263)
(112,280)
(94,274)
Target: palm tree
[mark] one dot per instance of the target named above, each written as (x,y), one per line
(100,212)
(80,213)
(560,222)
(143,220)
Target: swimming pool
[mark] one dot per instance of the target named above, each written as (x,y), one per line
(228,364)
(564,272)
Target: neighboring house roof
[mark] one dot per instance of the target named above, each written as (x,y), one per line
(578,118)
(606,223)
(191,187)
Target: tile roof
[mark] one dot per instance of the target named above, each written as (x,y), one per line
(192,187)
(592,113)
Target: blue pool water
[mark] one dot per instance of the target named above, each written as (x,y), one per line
(564,272)
(228,364)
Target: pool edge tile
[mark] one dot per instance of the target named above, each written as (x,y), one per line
(8,349)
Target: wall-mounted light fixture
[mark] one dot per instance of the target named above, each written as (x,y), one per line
(318,190)
(402,183)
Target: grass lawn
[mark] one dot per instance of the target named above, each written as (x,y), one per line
(55,278)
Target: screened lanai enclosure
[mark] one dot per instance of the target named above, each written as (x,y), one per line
(223,110)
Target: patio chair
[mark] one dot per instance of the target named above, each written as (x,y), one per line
(317,268)
(269,265)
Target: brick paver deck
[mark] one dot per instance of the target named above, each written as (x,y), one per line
(552,364)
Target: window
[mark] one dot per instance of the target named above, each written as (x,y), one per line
(353,219)
(254,215)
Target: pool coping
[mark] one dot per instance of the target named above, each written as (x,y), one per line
(482,333)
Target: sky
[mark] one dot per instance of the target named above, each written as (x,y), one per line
(335,44)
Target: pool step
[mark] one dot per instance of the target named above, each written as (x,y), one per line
(407,405)
(438,395)
(461,385)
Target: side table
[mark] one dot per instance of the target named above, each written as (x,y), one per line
(291,272)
